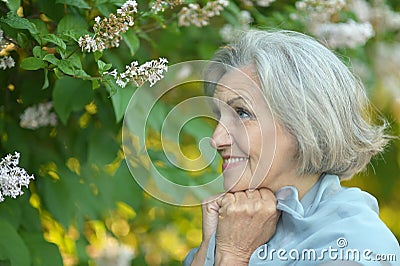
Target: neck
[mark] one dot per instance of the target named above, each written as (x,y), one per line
(305,183)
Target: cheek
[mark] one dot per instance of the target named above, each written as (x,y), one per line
(249,138)
(262,140)
(287,146)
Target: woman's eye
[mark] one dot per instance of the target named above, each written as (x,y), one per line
(243,113)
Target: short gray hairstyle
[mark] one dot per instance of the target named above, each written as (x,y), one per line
(312,94)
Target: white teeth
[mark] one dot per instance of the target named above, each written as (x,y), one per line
(234,160)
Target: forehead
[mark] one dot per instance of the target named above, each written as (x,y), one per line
(242,82)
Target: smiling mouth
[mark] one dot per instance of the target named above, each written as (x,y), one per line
(232,162)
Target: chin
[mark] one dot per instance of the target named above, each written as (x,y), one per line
(234,187)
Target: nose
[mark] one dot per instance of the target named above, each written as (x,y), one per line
(221,138)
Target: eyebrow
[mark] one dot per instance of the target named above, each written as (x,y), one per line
(235,99)
(229,102)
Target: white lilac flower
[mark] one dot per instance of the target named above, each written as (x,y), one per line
(361,9)
(229,32)
(193,14)
(245,17)
(385,19)
(344,35)
(12,177)
(107,31)
(320,10)
(264,3)
(113,253)
(6,62)
(381,15)
(160,6)
(386,64)
(38,116)
(151,71)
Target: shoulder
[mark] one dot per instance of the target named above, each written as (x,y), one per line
(354,218)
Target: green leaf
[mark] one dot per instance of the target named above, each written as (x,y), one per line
(42,253)
(72,24)
(22,39)
(97,55)
(30,220)
(16,22)
(106,7)
(54,39)
(10,210)
(51,58)
(12,247)
(40,25)
(50,9)
(58,73)
(32,63)
(103,66)
(66,67)
(119,97)
(57,199)
(115,2)
(46,79)
(38,52)
(76,3)
(132,40)
(13,5)
(82,74)
(75,60)
(69,95)
(95,84)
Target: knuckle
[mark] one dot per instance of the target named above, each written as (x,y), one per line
(267,192)
(231,210)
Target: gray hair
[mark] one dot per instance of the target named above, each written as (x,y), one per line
(313,95)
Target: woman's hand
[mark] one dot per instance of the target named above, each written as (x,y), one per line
(247,219)
(210,212)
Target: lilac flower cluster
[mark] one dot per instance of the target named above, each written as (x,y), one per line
(5,61)
(321,17)
(263,3)
(321,10)
(200,16)
(229,32)
(151,71)
(38,116)
(349,34)
(107,31)
(160,5)
(12,177)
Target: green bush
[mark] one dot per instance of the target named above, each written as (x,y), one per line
(61,107)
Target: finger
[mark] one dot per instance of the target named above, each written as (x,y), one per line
(222,212)
(240,197)
(267,194)
(211,207)
(226,199)
(212,198)
(252,194)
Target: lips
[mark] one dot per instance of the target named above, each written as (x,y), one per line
(230,162)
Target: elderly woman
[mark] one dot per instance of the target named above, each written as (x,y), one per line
(292,122)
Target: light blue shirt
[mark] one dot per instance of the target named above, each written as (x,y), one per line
(331,225)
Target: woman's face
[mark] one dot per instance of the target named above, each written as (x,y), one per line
(256,151)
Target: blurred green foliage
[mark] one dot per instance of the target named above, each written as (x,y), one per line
(83,192)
